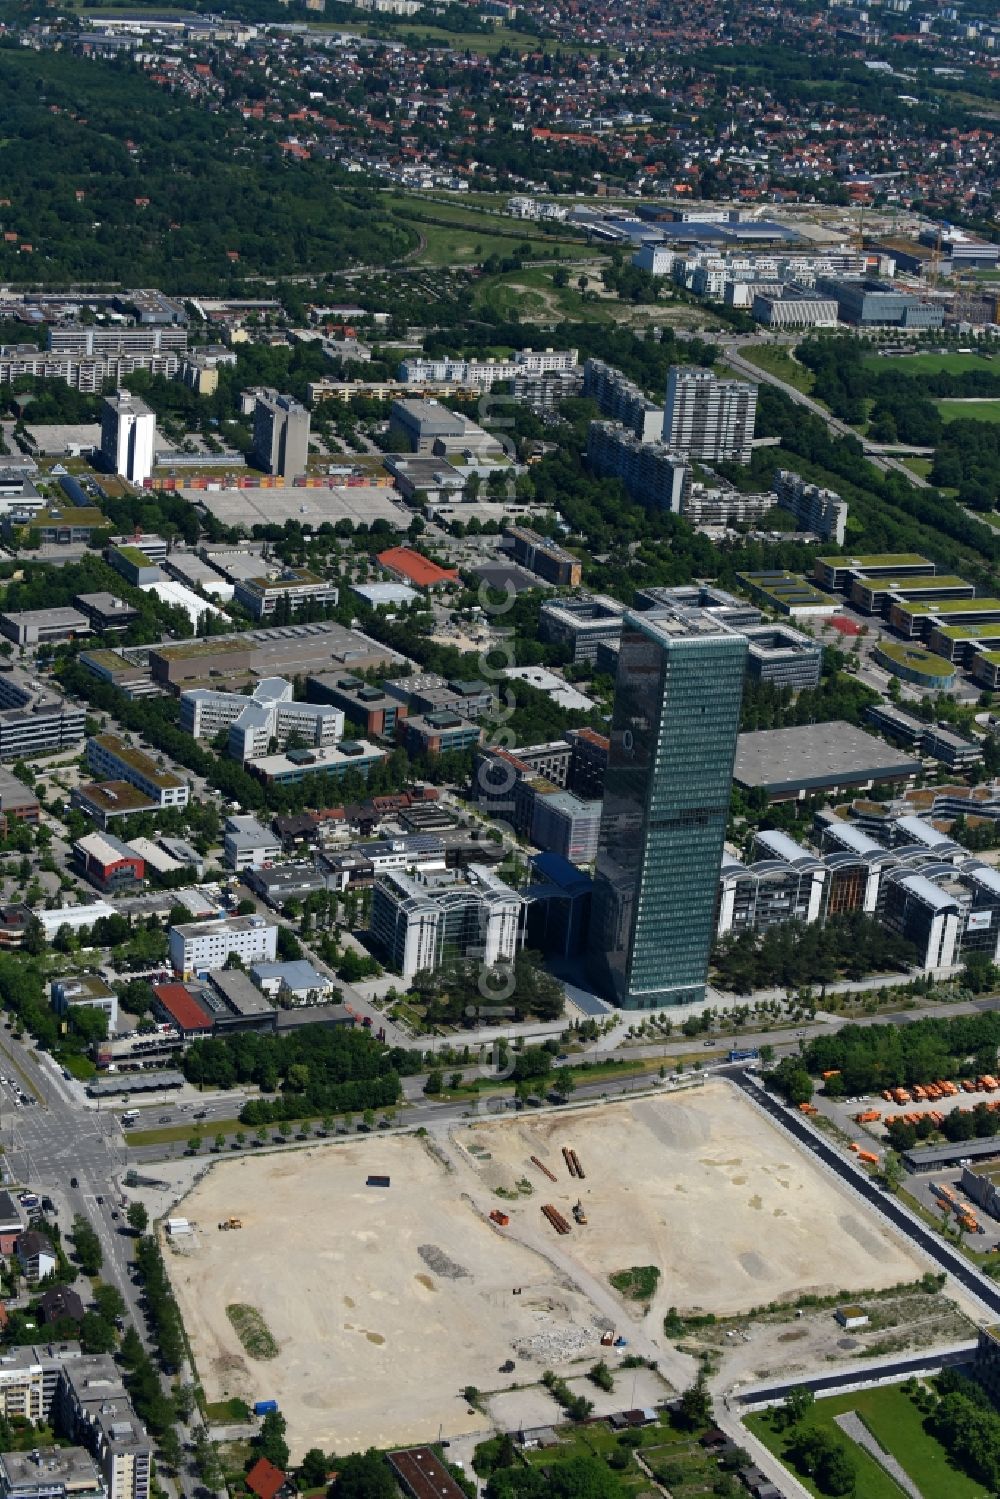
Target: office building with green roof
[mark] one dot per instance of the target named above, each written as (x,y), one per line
(834,573)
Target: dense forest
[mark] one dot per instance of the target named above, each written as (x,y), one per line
(111,178)
(313,1071)
(870,1058)
(901,407)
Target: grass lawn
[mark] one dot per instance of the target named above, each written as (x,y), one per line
(969,411)
(487,42)
(174,1132)
(898,1425)
(531,292)
(225,1411)
(777,361)
(928,364)
(81,1068)
(919,466)
(460,233)
(462,244)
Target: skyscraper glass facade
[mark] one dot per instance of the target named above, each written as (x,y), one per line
(666,803)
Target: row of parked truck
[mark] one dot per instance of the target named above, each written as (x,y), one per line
(950,1202)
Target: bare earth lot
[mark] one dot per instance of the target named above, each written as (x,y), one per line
(386,1303)
(704,1187)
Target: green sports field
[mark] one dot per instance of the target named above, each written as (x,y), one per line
(931,364)
(970,411)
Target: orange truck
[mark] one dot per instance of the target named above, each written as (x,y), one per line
(869,1156)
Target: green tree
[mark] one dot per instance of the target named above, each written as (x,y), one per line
(207,1461)
(364,1475)
(892,1170)
(171,1453)
(798,1403)
(313,1469)
(270,1440)
(96,1335)
(137,1217)
(87,1245)
(109,1302)
(696,1406)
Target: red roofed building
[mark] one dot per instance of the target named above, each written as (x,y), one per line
(265,1480)
(416,569)
(176,1005)
(109,863)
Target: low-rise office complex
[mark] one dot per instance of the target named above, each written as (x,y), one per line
(426,692)
(350,756)
(914,619)
(782,656)
(837,573)
(418,921)
(257,724)
(35,720)
(932,739)
(247,844)
(195,946)
(437,733)
(292,589)
(581,623)
(44,626)
(109,756)
(545,558)
(283,650)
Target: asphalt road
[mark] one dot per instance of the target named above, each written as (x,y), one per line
(55,1142)
(847,1379)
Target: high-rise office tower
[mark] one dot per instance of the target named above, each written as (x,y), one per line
(127,431)
(709,418)
(280,434)
(666,802)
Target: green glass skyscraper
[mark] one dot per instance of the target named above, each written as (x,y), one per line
(666,803)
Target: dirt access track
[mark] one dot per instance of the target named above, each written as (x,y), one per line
(386,1302)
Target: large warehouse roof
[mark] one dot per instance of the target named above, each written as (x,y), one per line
(813,757)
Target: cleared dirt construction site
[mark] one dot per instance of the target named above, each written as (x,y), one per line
(704,1187)
(385,1302)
